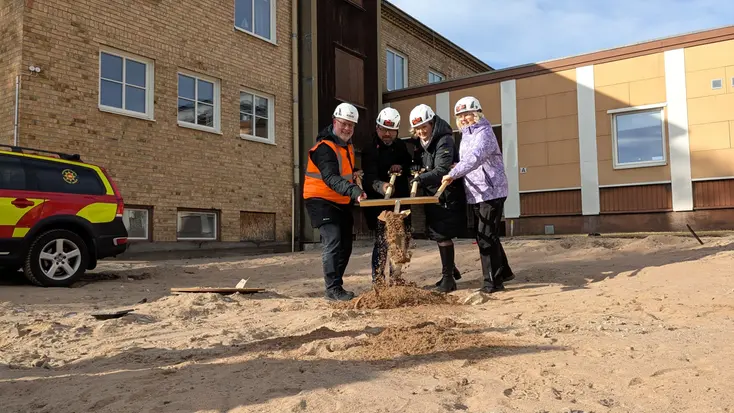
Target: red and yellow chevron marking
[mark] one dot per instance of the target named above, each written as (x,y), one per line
(14,220)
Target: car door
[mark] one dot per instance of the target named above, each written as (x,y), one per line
(18,203)
(67,188)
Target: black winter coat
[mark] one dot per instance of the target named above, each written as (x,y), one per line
(377,159)
(447,219)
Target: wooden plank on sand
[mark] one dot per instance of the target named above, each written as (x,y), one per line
(217,290)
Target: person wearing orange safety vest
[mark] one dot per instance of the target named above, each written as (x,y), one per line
(329,189)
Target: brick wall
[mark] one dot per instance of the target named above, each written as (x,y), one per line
(11,31)
(158,163)
(423,53)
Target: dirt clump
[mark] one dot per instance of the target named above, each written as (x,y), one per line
(397,296)
(423,339)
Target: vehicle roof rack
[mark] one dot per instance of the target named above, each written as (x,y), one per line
(65,156)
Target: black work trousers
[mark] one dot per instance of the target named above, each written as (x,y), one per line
(336,242)
(487,219)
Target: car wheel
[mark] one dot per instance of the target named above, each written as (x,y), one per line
(57,258)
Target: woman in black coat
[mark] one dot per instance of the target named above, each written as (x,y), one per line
(435,153)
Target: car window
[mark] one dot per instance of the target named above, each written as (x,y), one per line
(12,174)
(64,178)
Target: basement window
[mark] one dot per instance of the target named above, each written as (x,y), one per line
(197,225)
(638,136)
(137,223)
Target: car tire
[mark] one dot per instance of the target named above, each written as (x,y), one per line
(72,259)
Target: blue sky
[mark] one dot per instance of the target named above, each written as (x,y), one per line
(511,32)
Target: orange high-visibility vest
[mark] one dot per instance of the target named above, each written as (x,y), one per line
(313,183)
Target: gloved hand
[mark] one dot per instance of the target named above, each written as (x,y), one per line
(415,168)
(396,169)
(415,179)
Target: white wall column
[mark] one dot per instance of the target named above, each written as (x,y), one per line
(586,101)
(442,107)
(680,150)
(508,93)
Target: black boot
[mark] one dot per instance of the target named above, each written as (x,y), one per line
(447,283)
(338,294)
(457,276)
(492,277)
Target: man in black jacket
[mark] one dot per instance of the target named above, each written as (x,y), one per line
(435,153)
(329,189)
(386,155)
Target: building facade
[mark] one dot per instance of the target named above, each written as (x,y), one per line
(197,129)
(203,113)
(637,138)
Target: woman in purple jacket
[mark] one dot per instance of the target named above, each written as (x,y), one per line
(481,166)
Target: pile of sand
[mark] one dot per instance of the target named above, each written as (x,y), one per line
(396,297)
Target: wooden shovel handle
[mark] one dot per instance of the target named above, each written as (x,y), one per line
(441,188)
(389,191)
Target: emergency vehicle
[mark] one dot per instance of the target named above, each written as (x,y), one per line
(58,215)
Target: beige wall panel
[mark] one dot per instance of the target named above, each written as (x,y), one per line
(551,177)
(561,104)
(731,134)
(489,98)
(712,164)
(698,84)
(563,152)
(711,109)
(603,123)
(629,70)
(729,81)
(531,109)
(548,84)
(647,92)
(563,128)
(535,154)
(612,97)
(609,176)
(709,56)
(604,147)
(532,132)
(405,106)
(710,136)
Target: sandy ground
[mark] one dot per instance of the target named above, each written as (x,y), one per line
(588,325)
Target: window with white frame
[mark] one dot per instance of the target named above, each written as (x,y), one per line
(435,77)
(196,226)
(256,116)
(137,222)
(638,136)
(397,70)
(125,84)
(256,17)
(198,102)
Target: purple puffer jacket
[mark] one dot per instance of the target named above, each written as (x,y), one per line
(480,164)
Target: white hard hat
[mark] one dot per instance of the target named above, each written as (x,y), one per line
(347,112)
(467,104)
(389,118)
(420,115)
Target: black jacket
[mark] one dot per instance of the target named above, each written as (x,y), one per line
(447,219)
(376,162)
(377,159)
(320,210)
(437,159)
